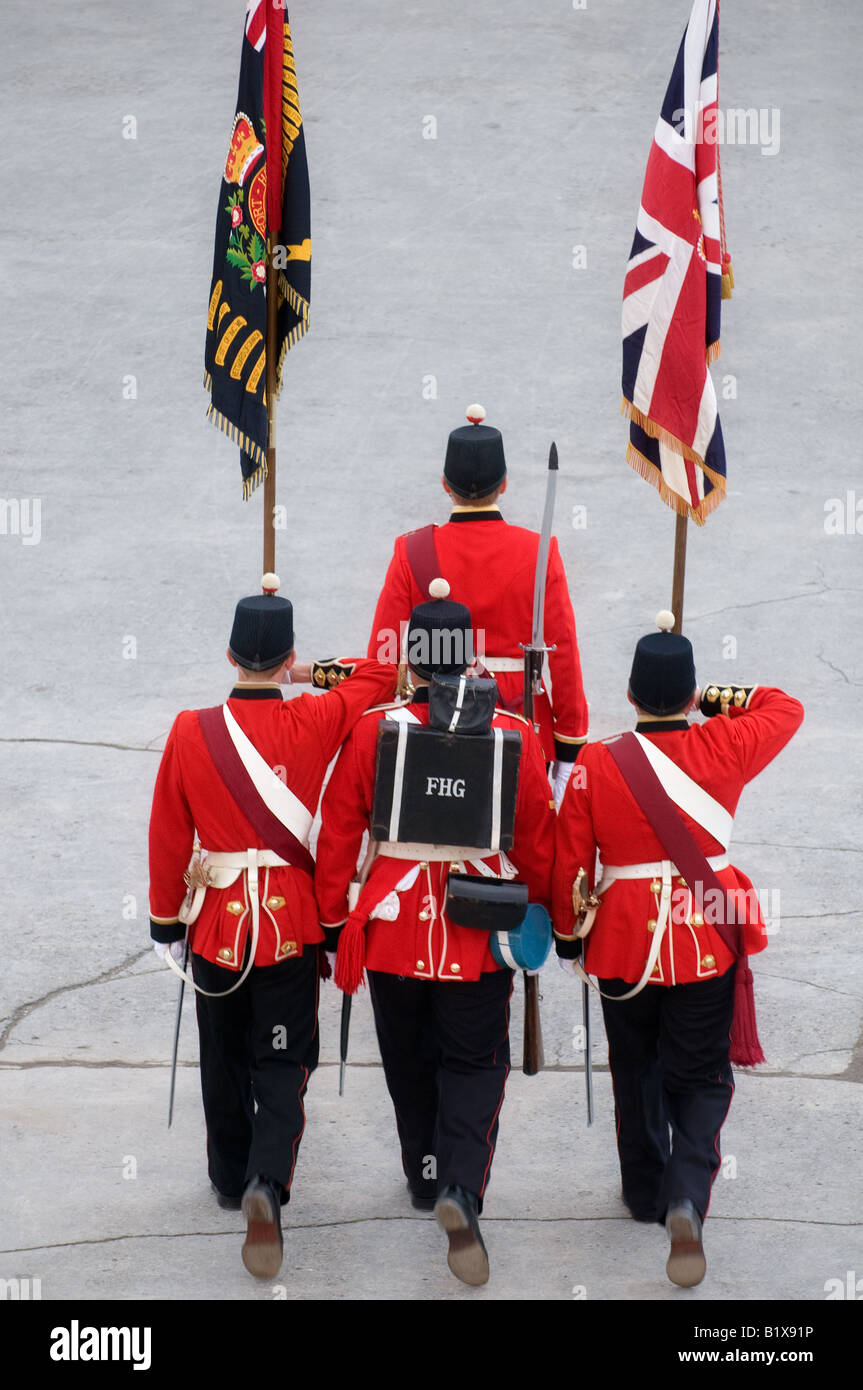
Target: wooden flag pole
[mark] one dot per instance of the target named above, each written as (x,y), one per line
(270,480)
(679,571)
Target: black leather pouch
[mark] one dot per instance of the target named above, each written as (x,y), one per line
(489,904)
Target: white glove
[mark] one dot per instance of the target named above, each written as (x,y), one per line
(177,949)
(560,775)
(568,966)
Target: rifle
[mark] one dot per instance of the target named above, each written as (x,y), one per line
(534,654)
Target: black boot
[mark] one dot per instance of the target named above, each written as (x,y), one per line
(456,1213)
(262,1251)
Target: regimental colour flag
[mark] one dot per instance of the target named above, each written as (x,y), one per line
(263,207)
(678,273)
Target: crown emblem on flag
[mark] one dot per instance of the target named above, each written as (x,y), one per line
(245,149)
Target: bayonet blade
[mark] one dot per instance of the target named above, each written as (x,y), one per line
(537,637)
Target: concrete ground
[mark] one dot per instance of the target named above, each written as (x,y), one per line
(484,263)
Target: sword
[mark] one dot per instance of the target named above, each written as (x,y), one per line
(534,654)
(177,1035)
(585,904)
(588,1064)
(354,889)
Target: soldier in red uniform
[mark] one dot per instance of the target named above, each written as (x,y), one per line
(490,567)
(253,930)
(668,1040)
(441,1001)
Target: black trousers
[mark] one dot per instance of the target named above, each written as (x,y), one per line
(259,1046)
(445,1052)
(668,1054)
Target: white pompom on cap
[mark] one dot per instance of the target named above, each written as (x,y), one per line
(665,620)
(270,583)
(475,414)
(439,588)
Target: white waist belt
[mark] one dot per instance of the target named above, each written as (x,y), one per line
(239,859)
(664,870)
(394,850)
(612,871)
(234,861)
(503,663)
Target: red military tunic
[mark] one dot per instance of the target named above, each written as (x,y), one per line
(599,813)
(301,736)
(491,566)
(421,943)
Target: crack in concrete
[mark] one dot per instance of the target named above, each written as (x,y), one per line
(24,1009)
(793,980)
(397,1216)
(837,669)
(598,1068)
(821,916)
(86,743)
(820,849)
(759,603)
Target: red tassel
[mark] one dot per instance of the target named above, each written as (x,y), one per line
(351,957)
(745,1046)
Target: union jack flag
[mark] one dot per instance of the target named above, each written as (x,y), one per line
(678,273)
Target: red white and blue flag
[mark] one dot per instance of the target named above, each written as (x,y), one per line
(677,275)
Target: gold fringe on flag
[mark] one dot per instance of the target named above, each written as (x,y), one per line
(643,466)
(300,307)
(251,484)
(658,432)
(239,437)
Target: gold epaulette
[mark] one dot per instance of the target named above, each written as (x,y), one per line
(717,699)
(330,672)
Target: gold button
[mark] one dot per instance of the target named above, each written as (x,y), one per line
(708,963)
(656,885)
(454,866)
(455,967)
(682,882)
(421,965)
(235,908)
(287,947)
(275,902)
(225,953)
(697,919)
(651,926)
(423,864)
(424,915)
